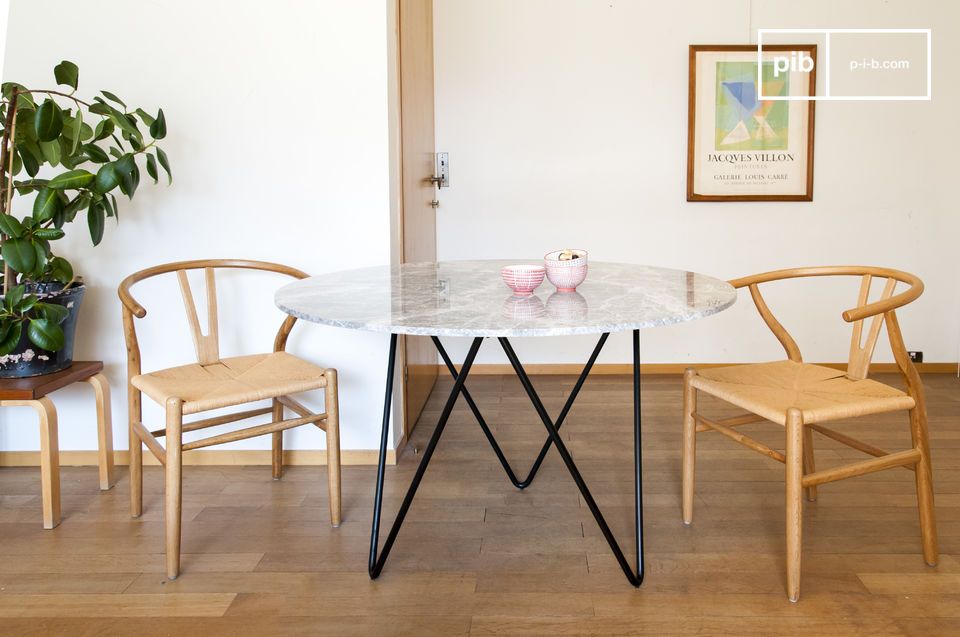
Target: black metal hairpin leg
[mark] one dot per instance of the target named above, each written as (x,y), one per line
(523,484)
(634,577)
(375,564)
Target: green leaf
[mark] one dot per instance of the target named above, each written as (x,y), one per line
(67,74)
(125,164)
(32,147)
(23,99)
(158,129)
(129,182)
(86,132)
(28,303)
(53,312)
(162,158)
(70,211)
(95,221)
(50,234)
(95,154)
(124,124)
(13,297)
(19,254)
(25,126)
(79,178)
(114,98)
(17,164)
(62,271)
(77,128)
(11,339)
(107,178)
(47,204)
(45,334)
(152,167)
(11,226)
(29,161)
(116,209)
(51,152)
(40,248)
(103,130)
(100,109)
(147,118)
(48,122)
(29,185)
(107,206)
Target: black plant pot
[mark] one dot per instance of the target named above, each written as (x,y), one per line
(28,359)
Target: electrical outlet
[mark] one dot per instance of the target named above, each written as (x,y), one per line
(916,357)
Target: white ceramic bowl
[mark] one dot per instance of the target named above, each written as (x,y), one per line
(566,275)
(523,279)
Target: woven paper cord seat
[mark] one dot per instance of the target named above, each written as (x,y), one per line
(821,393)
(231,381)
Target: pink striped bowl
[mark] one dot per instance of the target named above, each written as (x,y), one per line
(523,279)
(566,275)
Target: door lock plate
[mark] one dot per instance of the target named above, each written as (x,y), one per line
(442,171)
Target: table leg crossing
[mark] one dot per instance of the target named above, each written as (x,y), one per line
(522,484)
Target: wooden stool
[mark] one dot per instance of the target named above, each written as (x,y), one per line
(32,392)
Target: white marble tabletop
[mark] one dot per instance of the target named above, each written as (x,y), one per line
(468,298)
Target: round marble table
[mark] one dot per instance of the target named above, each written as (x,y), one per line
(468,298)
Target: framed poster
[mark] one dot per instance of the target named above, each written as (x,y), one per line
(741,147)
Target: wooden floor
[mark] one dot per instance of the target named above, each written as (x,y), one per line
(477,557)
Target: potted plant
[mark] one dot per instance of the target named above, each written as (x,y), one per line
(75,155)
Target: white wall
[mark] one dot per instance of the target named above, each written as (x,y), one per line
(566,123)
(278,136)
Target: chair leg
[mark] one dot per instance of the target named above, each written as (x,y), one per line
(689,453)
(332,407)
(794,500)
(101,388)
(809,465)
(924,478)
(49,461)
(277,455)
(136,452)
(174,485)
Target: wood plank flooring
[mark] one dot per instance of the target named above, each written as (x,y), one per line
(477,557)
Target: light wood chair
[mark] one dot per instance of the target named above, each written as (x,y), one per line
(212,383)
(800,396)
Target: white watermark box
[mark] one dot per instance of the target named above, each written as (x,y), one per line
(859,64)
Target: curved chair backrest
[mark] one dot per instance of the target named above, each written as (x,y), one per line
(883,310)
(206,344)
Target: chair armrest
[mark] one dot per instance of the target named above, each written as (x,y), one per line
(886,305)
(853,314)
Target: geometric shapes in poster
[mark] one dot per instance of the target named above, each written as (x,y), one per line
(744,122)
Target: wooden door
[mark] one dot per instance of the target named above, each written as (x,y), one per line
(419,222)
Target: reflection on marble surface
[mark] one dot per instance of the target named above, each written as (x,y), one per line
(523,308)
(570,306)
(466,298)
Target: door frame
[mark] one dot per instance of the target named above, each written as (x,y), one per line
(397,219)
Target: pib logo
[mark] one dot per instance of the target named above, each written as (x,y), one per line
(798,61)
